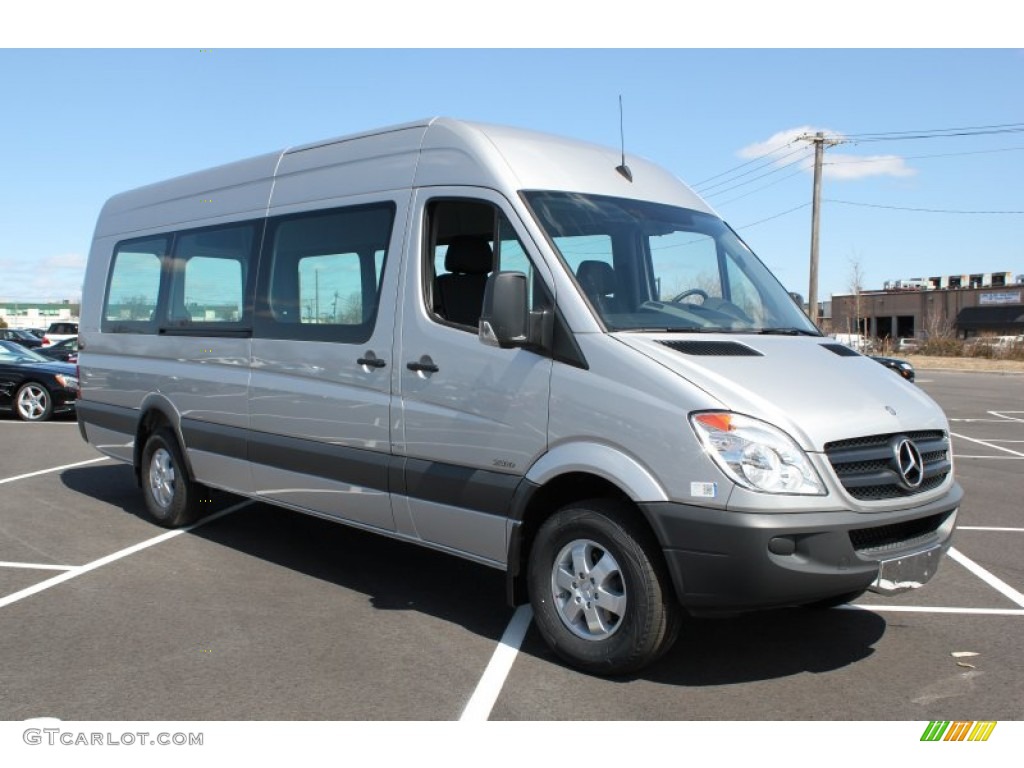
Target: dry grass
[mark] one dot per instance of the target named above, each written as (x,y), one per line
(926,362)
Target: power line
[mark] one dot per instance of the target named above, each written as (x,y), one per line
(868,138)
(960,131)
(744,165)
(844,163)
(791,163)
(924,210)
(923,157)
(759,189)
(777,215)
(931,133)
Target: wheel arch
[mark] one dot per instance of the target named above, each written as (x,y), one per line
(584,471)
(157,412)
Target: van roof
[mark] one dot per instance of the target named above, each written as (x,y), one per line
(438,151)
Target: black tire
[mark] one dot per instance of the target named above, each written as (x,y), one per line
(33,402)
(622,615)
(171,495)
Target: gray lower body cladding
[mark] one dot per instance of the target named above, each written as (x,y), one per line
(738,560)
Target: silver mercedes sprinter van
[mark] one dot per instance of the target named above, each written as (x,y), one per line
(518,349)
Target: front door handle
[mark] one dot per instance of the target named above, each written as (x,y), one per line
(423,365)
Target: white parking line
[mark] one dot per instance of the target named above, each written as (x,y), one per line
(38,566)
(988,528)
(52,469)
(992,580)
(487,690)
(1002,415)
(989,445)
(34,424)
(79,570)
(1000,458)
(935,609)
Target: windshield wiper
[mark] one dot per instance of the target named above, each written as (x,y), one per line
(664,329)
(787,332)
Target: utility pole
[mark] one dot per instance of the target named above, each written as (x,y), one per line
(819,152)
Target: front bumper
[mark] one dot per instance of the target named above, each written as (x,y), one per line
(64,400)
(738,560)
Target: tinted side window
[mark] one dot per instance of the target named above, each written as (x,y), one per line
(322,274)
(462,252)
(134,286)
(209,276)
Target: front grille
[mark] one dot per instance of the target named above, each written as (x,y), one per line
(867,466)
(897,535)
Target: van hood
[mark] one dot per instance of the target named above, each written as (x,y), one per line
(813,388)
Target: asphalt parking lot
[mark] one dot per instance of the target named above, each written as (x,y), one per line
(260,613)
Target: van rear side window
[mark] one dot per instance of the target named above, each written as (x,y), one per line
(324,274)
(134,286)
(209,276)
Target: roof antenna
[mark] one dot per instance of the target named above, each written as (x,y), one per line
(623,169)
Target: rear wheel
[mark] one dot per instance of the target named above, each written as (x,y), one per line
(600,592)
(171,495)
(33,402)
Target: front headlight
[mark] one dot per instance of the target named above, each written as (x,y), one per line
(755,454)
(68,382)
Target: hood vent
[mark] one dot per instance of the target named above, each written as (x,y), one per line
(841,349)
(712,348)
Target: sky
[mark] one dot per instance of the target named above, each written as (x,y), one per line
(80,125)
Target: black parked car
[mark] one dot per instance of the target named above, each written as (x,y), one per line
(902,367)
(19,336)
(35,387)
(66,351)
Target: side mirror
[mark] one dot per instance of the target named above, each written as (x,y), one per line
(505,318)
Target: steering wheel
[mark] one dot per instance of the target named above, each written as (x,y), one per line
(692,292)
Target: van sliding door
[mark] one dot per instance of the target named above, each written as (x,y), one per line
(320,396)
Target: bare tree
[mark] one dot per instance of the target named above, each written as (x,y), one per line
(856,287)
(137,307)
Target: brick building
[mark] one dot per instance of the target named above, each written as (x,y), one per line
(960,305)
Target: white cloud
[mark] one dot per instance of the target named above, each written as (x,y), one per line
(778,142)
(49,279)
(65,261)
(842,167)
(837,165)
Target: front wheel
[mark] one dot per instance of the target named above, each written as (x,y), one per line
(169,492)
(600,593)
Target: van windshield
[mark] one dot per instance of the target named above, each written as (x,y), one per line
(651,267)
